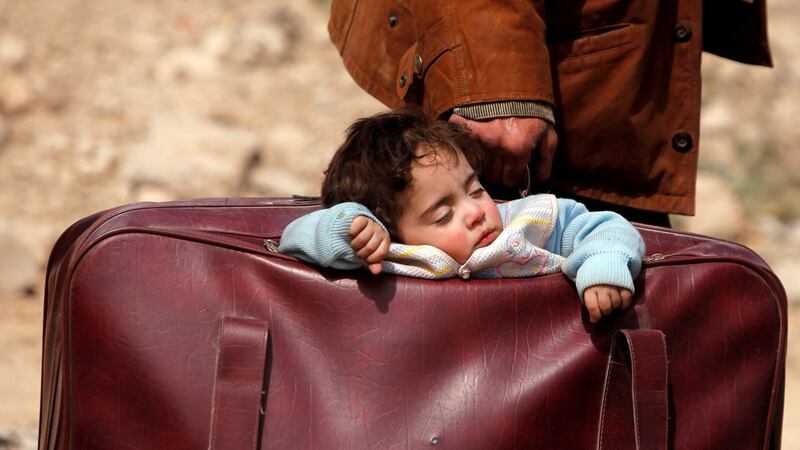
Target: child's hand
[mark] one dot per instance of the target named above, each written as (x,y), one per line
(601,299)
(369,241)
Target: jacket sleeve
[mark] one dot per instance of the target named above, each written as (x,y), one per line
(599,247)
(443,54)
(498,52)
(322,237)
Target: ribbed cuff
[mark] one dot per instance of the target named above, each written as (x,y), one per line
(607,268)
(507,108)
(333,237)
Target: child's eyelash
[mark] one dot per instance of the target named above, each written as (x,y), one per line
(444,219)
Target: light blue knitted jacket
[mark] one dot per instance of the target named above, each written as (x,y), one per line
(598,247)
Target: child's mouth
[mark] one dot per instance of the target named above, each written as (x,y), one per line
(486,239)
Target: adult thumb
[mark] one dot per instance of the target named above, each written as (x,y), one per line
(542,160)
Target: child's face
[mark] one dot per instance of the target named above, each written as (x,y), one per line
(445,206)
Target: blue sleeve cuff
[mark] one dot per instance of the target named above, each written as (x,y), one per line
(322,237)
(600,247)
(606,268)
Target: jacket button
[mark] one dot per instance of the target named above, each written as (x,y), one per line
(682,32)
(418,65)
(682,142)
(403,80)
(393,19)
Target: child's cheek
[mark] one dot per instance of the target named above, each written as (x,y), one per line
(494,216)
(456,243)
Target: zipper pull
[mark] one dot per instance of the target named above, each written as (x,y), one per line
(654,257)
(271,245)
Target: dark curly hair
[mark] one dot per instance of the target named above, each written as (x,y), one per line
(374,163)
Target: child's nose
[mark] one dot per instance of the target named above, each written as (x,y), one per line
(475,215)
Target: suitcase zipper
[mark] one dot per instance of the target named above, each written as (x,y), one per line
(661,256)
(271,246)
(654,257)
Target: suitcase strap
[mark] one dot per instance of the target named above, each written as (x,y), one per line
(239,383)
(634,412)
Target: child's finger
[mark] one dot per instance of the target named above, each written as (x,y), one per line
(370,246)
(604,302)
(594,313)
(616,299)
(380,252)
(627,298)
(357,226)
(375,268)
(590,301)
(360,240)
(370,230)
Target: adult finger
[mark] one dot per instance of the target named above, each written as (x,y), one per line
(491,167)
(487,132)
(522,140)
(514,173)
(488,135)
(542,164)
(461,120)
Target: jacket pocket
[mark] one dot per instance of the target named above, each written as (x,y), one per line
(592,42)
(610,127)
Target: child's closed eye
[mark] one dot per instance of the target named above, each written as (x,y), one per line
(444,218)
(477,193)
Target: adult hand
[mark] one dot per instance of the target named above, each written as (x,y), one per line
(509,144)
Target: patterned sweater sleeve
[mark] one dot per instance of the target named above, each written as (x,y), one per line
(321,237)
(599,247)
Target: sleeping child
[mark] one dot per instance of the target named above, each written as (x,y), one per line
(402,196)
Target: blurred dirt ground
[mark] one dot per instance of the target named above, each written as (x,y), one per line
(106,102)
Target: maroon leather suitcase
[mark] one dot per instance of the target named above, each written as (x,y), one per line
(177,326)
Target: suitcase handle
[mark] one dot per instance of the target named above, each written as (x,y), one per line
(634,411)
(239,383)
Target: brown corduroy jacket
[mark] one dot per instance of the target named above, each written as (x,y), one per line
(623,76)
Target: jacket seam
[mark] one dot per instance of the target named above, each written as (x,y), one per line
(345,34)
(456,62)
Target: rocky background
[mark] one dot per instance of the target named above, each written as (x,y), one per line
(106,102)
